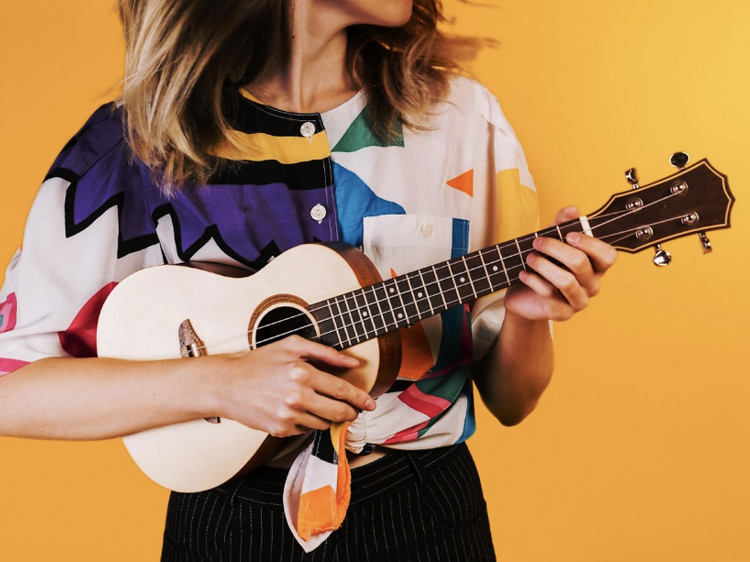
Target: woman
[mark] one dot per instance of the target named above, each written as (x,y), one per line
(247,128)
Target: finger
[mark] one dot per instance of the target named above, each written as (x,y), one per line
(538,284)
(574,259)
(329,385)
(307,349)
(566,214)
(564,281)
(307,421)
(555,307)
(330,409)
(601,254)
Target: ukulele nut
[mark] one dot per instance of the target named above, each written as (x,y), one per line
(634,203)
(690,218)
(679,187)
(644,233)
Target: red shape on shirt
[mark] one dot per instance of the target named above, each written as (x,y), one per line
(79,340)
(8,313)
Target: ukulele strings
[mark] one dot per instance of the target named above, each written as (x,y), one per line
(615,214)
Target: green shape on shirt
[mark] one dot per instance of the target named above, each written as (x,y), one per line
(360,134)
(1,320)
(448,386)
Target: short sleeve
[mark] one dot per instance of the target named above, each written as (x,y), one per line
(505,205)
(86,231)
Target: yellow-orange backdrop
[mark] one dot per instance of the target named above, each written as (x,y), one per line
(639,449)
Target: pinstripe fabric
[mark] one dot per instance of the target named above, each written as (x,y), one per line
(420,506)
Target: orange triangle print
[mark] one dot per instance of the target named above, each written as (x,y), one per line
(464,182)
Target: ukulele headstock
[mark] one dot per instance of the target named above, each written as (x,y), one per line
(693,200)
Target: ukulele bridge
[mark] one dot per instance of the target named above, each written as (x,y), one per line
(192,346)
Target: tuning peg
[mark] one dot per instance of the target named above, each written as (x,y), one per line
(679,160)
(632,178)
(707,249)
(662,258)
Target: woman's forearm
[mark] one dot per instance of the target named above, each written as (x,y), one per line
(514,374)
(283,389)
(82,399)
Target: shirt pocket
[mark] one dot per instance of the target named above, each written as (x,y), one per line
(399,244)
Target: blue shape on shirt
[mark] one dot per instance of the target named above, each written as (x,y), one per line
(355,201)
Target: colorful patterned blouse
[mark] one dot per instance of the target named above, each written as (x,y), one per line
(424,197)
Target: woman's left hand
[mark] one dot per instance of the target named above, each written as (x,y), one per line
(550,292)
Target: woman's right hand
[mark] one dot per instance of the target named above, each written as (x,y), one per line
(279,389)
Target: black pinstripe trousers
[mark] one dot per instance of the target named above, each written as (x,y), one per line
(420,506)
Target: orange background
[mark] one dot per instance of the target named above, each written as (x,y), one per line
(639,449)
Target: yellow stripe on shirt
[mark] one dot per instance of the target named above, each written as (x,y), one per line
(257,147)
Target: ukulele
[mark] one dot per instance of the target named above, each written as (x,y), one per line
(333,294)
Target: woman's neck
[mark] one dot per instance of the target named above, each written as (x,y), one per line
(315,77)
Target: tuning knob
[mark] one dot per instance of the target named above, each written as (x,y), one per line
(679,160)
(707,249)
(662,258)
(632,178)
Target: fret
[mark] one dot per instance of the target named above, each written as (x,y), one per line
(439,288)
(326,327)
(364,313)
(421,301)
(351,314)
(501,260)
(512,262)
(397,303)
(460,277)
(427,298)
(350,318)
(468,274)
(341,321)
(335,324)
(358,316)
(385,303)
(495,267)
(478,274)
(486,270)
(526,246)
(559,233)
(520,253)
(448,288)
(407,298)
(376,312)
(434,295)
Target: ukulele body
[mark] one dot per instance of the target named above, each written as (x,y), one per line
(141,320)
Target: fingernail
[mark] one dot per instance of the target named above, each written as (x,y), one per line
(537,243)
(530,258)
(573,237)
(370,404)
(352,361)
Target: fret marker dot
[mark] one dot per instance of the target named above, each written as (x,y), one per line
(364,313)
(494,268)
(392,290)
(419,295)
(462,279)
(400,315)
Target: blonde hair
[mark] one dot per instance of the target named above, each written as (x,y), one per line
(183,56)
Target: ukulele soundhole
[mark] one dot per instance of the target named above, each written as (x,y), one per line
(281,320)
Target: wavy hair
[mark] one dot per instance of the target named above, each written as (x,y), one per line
(182,56)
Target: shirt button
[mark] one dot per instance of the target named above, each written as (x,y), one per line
(307,130)
(318,212)
(427,230)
